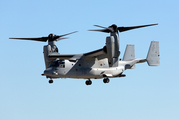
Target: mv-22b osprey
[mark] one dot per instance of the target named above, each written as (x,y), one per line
(102,63)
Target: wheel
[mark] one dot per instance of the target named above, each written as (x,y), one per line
(88,82)
(50,81)
(106,80)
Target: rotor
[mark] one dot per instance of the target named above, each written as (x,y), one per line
(113,28)
(49,38)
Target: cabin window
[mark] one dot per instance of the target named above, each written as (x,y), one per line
(61,63)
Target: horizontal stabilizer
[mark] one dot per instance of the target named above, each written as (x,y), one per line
(153,54)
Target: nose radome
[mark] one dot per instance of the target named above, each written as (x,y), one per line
(47,72)
(50,72)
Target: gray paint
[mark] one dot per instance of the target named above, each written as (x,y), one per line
(129,53)
(153,54)
(88,67)
(94,64)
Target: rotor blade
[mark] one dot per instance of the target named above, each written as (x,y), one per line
(106,29)
(44,39)
(102,30)
(41,39)
(66,34)
(100,26)
(122,29)
(60,39)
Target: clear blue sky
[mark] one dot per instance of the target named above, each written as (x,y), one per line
(146,93)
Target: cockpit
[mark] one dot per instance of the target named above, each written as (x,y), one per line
(57,63)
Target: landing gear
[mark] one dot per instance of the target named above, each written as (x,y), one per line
(88,82)
(106,80)
(50,81)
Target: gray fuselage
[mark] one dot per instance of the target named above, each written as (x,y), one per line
(85,68)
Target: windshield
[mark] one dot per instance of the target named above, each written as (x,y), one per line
(57,63)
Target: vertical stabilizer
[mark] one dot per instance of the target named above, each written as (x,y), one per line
(129,53)
(153,54)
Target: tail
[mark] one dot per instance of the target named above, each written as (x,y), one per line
(153,54)
(129,55)
(152,57)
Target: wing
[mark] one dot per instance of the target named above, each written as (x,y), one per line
(95,53)
(56,55)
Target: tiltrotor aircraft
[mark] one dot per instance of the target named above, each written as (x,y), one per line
(102,63)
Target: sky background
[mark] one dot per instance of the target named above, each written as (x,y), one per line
(146,93)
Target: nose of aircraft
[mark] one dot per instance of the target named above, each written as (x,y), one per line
(50,71)
(47,72)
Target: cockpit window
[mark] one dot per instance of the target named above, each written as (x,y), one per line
(57,63)
(54,64)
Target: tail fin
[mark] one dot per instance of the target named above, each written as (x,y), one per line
(129,53)
(153,54)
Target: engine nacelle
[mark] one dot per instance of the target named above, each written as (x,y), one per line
(110,46)
(47,50)
(112,51)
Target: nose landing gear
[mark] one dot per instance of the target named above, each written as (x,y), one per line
(50,81)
